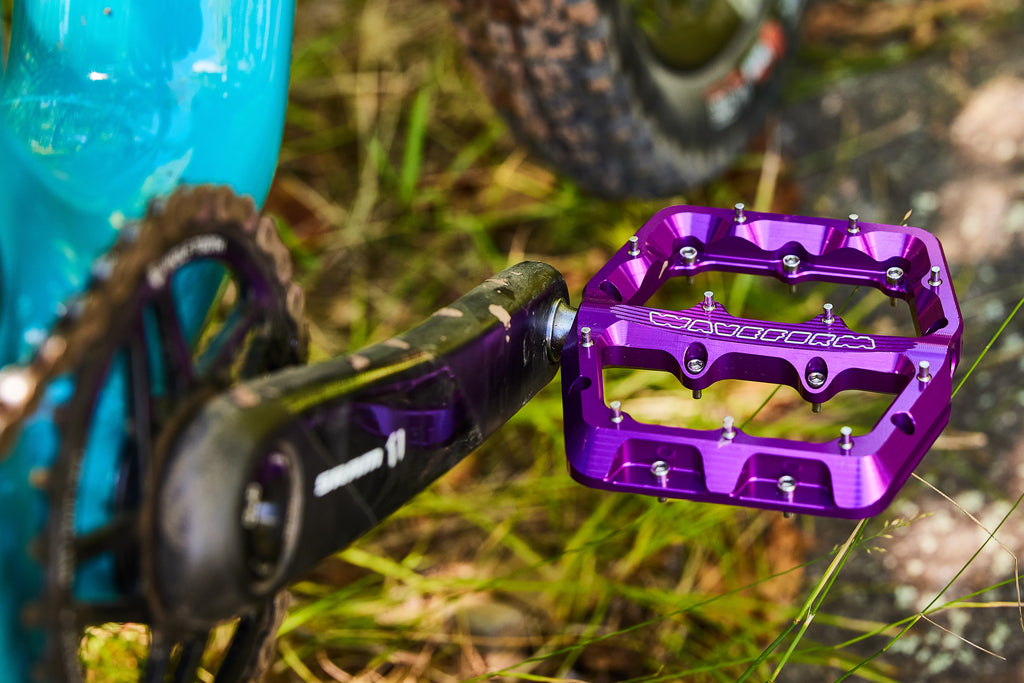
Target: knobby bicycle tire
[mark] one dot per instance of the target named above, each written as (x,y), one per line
(582,88)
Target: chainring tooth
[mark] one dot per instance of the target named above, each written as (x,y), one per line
(92,328)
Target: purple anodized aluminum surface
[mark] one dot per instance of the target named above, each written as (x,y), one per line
(849,476)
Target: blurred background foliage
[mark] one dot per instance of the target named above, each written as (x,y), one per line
(398,190)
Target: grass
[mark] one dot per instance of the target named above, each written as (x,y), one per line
(398,191)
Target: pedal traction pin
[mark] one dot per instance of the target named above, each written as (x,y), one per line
(790,264)
(728,430)
(634,246)
(695,366)
(923,371)
(893,277)
(829,318)
(688,256)
(787,487)
(586,340)
(740,217)
(934,280)
(816,380)
(846,438)
(853,227)
(709,302)
(660,469)
(616,407)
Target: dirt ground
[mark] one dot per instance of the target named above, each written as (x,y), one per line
(944,136)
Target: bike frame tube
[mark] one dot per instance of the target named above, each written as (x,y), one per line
(119,102)
(104,105)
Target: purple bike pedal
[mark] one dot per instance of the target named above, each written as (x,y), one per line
(851,476)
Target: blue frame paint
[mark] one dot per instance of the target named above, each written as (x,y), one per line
(104,105)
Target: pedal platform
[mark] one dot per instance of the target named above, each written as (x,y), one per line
(851,476)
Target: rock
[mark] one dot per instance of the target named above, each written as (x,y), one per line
(990,128)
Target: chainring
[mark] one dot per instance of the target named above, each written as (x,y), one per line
(138,349)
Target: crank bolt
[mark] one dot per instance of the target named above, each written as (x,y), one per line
(253,499)
(923,371)
(688,255)
(854,225)
(935,280)
(634,246)
(265,513)
(728,431)
(660,469)
(586,340)
(786,485)
(740,216)
(829,318)
(616,407)
(14,387)
(845,438)
(709,302)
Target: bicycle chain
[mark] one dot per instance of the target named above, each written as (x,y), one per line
(143,248)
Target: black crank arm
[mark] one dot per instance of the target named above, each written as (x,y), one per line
(276,474)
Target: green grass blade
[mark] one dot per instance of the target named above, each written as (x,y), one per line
(988,346)
(412,155)
(917,617)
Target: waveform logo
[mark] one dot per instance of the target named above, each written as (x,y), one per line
(771,335)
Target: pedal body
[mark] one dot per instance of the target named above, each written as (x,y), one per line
(849,476)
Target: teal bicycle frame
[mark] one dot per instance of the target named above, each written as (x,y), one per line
(105,105)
